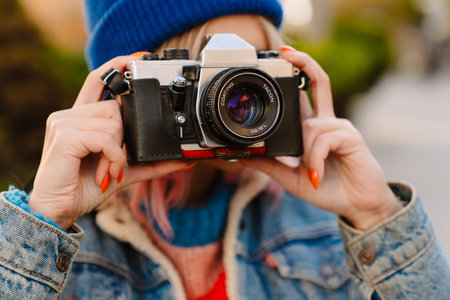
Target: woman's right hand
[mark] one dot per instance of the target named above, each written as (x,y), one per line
(82,151)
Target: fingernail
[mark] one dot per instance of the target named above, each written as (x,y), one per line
(286,48)
(119,178)
(314,178)
(188,167)
(139,53)
(105,183)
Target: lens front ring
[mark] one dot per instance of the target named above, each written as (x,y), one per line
(241,127)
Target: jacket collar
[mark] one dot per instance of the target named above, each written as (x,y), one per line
(118,221)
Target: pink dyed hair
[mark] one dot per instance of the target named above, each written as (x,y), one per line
(159,195)
(165,193)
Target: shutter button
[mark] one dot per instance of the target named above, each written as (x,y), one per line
(62,262)
(367,256)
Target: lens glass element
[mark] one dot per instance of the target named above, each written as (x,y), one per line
(242,107)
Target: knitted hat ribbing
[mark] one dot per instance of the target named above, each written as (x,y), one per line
(121,27)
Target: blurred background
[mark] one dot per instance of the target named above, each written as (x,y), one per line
(389,64)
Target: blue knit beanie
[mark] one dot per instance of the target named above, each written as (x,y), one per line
(121,27)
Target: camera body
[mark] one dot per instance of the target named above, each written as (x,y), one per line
(230,103)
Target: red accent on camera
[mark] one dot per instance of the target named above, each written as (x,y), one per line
(204,154)
(198,154)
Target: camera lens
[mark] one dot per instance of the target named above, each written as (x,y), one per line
(240,106)
(243,106)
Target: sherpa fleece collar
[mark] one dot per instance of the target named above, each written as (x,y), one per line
(118,221)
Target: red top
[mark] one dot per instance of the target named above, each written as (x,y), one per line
(217,292)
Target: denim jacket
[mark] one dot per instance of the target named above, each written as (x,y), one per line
(286,249)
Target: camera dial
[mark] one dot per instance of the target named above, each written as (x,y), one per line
(176,53)
(150,56)
(178,92)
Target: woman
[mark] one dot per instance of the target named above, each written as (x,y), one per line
(234,233)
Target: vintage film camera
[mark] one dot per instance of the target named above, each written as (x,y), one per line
(230,103)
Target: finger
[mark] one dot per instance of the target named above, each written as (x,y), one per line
(103,109)
(270,166)
(306,110)
(93,88)
(63,123)
(112,127)
(293,179)
(319,82)
(137,173)
(337,142)
(102,170)
(313,127)
(315,160)
(95,142)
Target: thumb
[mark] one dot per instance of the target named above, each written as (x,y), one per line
(136,173)
(272,167)
(293,177)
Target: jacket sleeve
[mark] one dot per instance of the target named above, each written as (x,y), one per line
(35,257)
(399,258)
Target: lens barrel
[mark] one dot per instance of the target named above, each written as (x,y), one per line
(241,106)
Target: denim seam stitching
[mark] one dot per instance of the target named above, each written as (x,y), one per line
(386,223)
(31,272)
(126,275)
(403,264)
(104,265)
(42,225)
(314,279)
(87,257)
(282,239)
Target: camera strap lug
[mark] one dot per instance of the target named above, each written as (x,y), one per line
(115,82)
(205,40)
(303,81)
(191,72)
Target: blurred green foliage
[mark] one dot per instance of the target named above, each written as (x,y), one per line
(354,56)
(361,46)
(35,80)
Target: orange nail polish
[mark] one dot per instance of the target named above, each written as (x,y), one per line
(105,183)
(286,48)
(314,178)
(139,53)
(119,179)
(188,167)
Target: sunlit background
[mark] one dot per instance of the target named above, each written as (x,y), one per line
(389,63)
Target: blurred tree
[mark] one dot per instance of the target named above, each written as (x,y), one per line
(35,80)
(361,45)
(354,56)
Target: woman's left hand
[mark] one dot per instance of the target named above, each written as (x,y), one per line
(337,172)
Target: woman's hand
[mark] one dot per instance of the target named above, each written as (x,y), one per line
(336,172)
(83,151)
